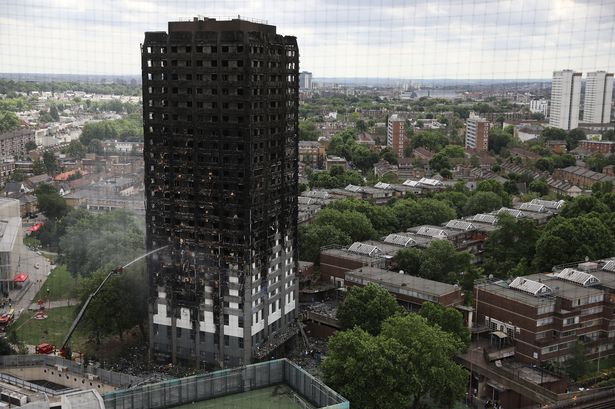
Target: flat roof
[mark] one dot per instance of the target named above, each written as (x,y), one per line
(401,281)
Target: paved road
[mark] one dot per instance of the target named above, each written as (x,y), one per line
(28,260)
(55,304)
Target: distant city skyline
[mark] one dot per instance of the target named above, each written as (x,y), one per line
(443,39)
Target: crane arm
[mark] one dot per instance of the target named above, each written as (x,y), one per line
(117,270)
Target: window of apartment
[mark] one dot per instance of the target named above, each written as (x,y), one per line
(227,340)
(544,321)
(571,321)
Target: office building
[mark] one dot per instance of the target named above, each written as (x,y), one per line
(305,80)
(220,119)
(565,100)
(396,136)
(539,106)
(598,97)
(477,133)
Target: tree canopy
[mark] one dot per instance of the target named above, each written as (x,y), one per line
(367,308)
(50,203)
(409,361)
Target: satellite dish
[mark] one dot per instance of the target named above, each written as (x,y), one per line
(490,276)
(401,271)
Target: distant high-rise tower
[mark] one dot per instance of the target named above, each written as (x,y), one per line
(539,106)
(477,133)
(598,97)
(565,99)
(220,106)
(305,80)
(397,139)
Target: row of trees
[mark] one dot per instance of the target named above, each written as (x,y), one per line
(128,129)
(90,245)
(387,358)
(117,88)
(349,220)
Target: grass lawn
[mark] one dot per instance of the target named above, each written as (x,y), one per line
(51,330)
(61,284)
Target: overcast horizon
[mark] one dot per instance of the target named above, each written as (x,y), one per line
(415,40)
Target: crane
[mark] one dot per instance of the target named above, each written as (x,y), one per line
(65,349)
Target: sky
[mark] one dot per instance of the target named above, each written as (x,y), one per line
(407,39)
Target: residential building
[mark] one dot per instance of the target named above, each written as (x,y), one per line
(477,133)
(598,97)
(604,147)
(410,291)
(221,144)
(565,100)
(305,80)
(546,314)
(311,153)
(11,239)
(396,136)
(581,177)
(13,143)
(539,106)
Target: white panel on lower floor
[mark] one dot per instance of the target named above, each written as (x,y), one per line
(232,328)
(207,325)
(162,295)
(161,316)
(289,307)
(275,316)
(184,319)
(258,327)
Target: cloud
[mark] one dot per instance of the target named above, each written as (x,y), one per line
(364,38)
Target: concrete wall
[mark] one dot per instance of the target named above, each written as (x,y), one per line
(68,379)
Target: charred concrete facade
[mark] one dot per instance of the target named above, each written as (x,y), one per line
(220,118)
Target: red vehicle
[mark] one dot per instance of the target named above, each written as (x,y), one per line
(44,348)
(6,319)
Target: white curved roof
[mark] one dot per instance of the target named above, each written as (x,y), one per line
(577,276)
(530,286)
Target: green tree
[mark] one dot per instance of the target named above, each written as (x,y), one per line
(360,126)
(119,298)
(549,134)
(455,199)
(308,131)
(17,176)
(514,241)
(571,239)
(367,308)
(573,138)
(314,236)
(30,146)
(53,113)
(577,365)
(8,121)
(498,140)
(411,212)
(439,162)
(382,218)
(388,155)
(448,319)
(442,262)
(539,186)
(409,260)
(583,205)
(355,224)
(50,162)
(482,202)
(38,167)
(76,149)
(50,203)
(410,363)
